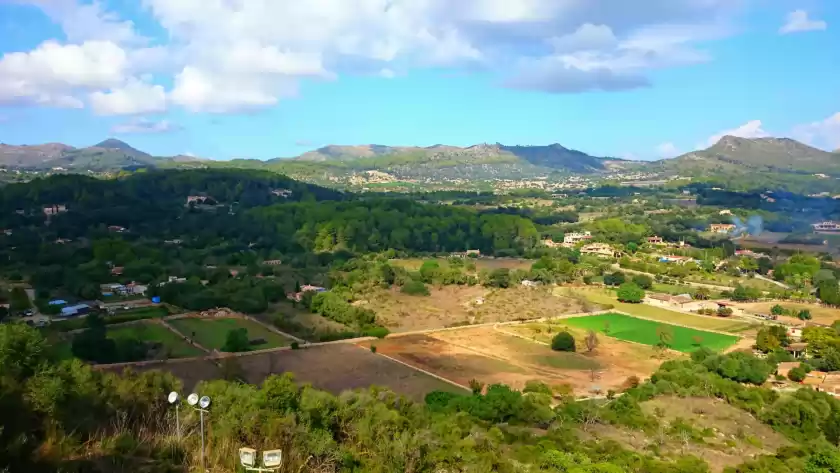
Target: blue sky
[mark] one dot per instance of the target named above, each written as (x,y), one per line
(643,79)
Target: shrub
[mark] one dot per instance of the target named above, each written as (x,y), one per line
(644,282)
(415,288)
(373,348)
(614,279)
(630,292)
(796,374)
(375,331)
(295,345)
(777,310)
(563,341)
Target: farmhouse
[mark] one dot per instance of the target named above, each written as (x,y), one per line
(197,199)
(117,271)
(797,350)
(748,253)
(575,237)
(598,249)
(273,262)
(467,254)
(173,242)
(675,259)
(551,243)
(681,302)
(828,226)
(297,296)
(54,209)
(725,212)
(116,228)
(655,240)
(282,192)
(794,333)
(721,227)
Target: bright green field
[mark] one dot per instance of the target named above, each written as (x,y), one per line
(624,327)
(212,333)
(152,332)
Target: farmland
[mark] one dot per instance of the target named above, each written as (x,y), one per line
(820,314)
(632,329)
(212,333)
(607,298)
(172,345)
(454,305)
(489,264)
(493,355)
(334,368)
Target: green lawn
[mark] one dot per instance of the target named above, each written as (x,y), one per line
(212,333)
(154,332)
(608,297)
(624,327)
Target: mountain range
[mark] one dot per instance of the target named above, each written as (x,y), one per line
(371,163)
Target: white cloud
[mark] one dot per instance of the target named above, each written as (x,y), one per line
(823,134)
(667,150)
(52,73)
(751,129)
(86,21)
(135,97)
(798,21)
(144,125)
(225,56)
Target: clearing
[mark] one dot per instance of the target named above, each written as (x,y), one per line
(489,264)
(625,327)
(497,355)
(820,314)
(449,306)
(711,429)
(607,298)
(301,323)
(212,333)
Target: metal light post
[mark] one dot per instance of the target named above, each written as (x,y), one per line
(173,399)
(271,460)
(203,404)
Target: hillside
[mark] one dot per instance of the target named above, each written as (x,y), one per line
(734,154)
(107,156)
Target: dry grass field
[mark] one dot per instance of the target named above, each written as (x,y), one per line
(489,264)
(490,355)
(453,305)
(821,314)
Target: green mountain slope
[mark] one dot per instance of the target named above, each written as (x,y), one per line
(733,154)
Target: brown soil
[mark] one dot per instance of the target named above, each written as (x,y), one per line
(490,356)
(820,314)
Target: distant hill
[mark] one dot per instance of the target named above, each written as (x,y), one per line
(379,163)
(782,155)
(107,156)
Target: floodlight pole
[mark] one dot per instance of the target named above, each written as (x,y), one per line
(201,415)
(177,422)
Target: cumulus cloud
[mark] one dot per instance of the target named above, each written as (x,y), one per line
(798,21)
(225,56)
(144,125)
(52,73)
(667,150)
(823,134)
(751,129)
(135,97)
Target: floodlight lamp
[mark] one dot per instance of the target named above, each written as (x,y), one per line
(272,458)
(247,457)
(173,397)
(204,402)
(192,399)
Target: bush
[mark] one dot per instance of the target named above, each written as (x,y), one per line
(563,341)
(415,288)
(804,314)
(295,345)
(724,311)
(797,374)
(373,348)
(630,292)
(375,331)
(644,282)
(777,310)
(614,279)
